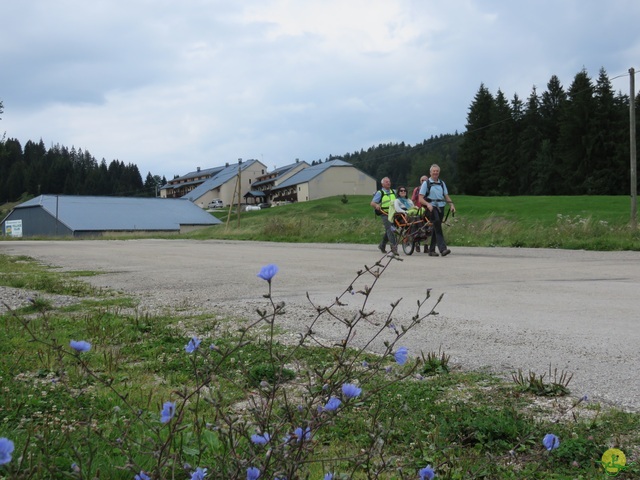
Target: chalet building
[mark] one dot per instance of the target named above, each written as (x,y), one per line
(203,186)
(335,177)
(251,183)
(261,188)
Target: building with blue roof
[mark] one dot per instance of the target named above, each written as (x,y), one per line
(331,178)
(78,216)
(228,183)
(261,188)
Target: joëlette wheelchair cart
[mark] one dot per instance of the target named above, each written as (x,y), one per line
(412,229)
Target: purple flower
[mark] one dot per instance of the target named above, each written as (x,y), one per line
(192,346)
(168,411)
(268,272)
(328,476)
(349,390)
(332,404)
(302,434)
(199,474)
(6,449)
(550,441)
(426,473)
(260,439)
(142,476)
(80,345)
(253,473)
(401,355)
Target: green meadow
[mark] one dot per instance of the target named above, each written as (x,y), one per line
(581,222)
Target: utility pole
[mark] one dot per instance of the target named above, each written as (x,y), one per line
(239,188)
(632,150)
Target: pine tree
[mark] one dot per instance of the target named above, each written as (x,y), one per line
(529,145)
(575,143)
(476,146)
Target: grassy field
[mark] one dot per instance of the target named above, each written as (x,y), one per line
(591,223)
(570,222)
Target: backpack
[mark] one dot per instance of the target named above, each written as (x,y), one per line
(441,184)
(415,196)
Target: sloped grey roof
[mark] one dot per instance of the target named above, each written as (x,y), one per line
(309,173)
(278,172)
(177,186)
(200,173)
(217,180)
(86,213)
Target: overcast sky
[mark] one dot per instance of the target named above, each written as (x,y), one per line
(173,85)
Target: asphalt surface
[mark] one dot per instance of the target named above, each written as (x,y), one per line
(503,309)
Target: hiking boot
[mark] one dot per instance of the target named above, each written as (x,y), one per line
(434,254)
(418,248)
(445,252)
(382,248)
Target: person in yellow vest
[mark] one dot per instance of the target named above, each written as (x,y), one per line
(381,201)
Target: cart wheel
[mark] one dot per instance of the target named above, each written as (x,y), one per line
(408,244)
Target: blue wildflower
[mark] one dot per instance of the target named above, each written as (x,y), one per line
(268,272)
(192,346)
(260,439)
(426,473)
(142,476)
(401,355)
(302,434)
(349,390)
(199,474)
(332,404)
(80,345)
(328,476)
(550,441)
(253,473)
(168,411)
(6,449)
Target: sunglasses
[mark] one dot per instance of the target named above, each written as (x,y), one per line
(402,190)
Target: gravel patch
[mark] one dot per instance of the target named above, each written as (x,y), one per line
(502,310)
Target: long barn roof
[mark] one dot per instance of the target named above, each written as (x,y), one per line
(88,213)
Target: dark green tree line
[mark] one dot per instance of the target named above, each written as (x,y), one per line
(37,170)
(573,142)
(405,164)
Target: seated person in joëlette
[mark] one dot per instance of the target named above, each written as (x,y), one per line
(403,204)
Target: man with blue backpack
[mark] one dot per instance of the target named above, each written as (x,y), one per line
(434,196)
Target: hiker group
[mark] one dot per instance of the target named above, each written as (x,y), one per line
(428,200)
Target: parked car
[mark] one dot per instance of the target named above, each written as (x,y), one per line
(264,205)
(215,203)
